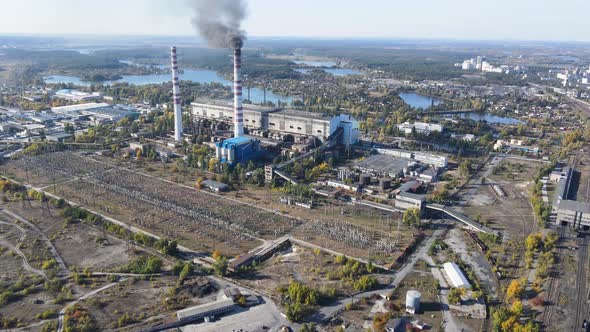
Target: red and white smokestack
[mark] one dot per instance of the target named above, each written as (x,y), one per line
(238,110)
(176,92)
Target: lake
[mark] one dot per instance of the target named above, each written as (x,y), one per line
(489,117)
(417,100)
(194,75)
(333,71)
(421,101)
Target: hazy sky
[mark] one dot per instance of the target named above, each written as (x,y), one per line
(454,19)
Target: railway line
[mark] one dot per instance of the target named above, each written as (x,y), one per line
(553,292)
(581,278)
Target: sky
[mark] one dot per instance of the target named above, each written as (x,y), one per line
(539,20)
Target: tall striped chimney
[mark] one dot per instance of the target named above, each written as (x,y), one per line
(176,92)
(238,110)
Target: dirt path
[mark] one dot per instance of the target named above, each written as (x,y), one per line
(62,313)
(16,249)
(64,270)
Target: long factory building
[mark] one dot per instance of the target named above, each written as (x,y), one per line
(280,120)
(569,211)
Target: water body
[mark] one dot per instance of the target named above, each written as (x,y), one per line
(417,100)
(333,71)
(324,64)
(203,76)
(488,117)
(421,101)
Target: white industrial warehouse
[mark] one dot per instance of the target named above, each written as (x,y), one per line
(456,276)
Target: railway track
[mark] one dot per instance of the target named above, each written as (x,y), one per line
(553,292)
(580,300)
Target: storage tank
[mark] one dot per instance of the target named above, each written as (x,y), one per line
(365,179)
(385,183)
(413,301)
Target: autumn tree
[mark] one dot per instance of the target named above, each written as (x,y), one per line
(515,290)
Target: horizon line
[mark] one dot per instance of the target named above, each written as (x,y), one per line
(294,37)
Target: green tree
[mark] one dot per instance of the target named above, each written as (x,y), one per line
(220,266)
(411,217)
(454,296)
(465,168)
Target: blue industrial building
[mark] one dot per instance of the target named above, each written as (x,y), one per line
(237,150)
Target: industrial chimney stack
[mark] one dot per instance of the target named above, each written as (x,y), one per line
(238,110)
(176,92)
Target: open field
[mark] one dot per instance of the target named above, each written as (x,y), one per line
(80,246)
(315,269)
(137,304)
(512,214)
(421,280)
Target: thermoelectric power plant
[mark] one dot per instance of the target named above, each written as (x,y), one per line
(176,92)
(239,149)
(342,129)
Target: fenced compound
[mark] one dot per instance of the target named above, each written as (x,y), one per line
(197,219)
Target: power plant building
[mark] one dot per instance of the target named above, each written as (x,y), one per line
(281,120)
(237,150)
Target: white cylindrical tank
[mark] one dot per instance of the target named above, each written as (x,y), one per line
(413,301)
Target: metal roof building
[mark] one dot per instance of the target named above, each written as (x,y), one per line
(206,310)
(456,276)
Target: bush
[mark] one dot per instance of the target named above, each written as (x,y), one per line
(186,271)
(143,265)
(341,260)
(167,246)
(47,314)
(455,296)
(365,283)
(48,264)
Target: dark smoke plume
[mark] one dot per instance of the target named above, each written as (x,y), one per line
(219,22)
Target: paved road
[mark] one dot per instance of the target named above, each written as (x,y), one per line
(64,270)
(16,249)
(60,321)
